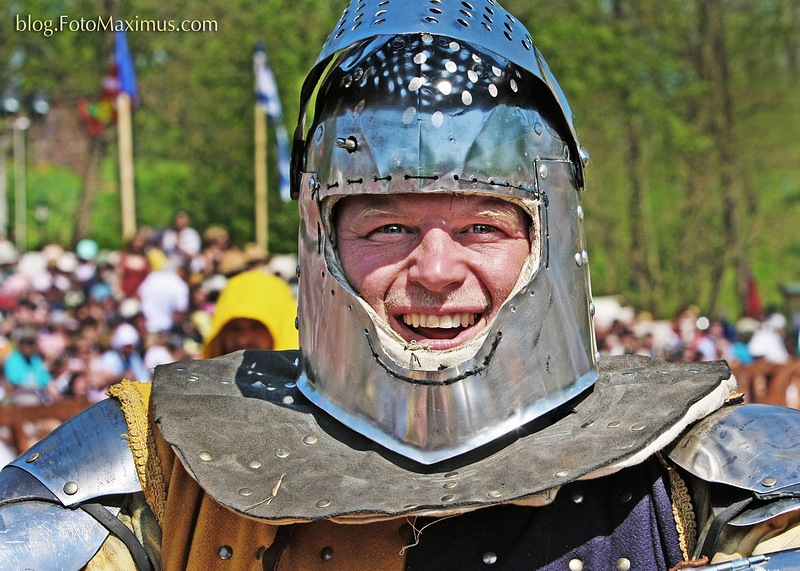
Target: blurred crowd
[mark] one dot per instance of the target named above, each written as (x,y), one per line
(74,323)
(694,337)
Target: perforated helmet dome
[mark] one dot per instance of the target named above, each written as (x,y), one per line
(442,100)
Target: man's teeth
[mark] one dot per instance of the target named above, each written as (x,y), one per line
(448,321)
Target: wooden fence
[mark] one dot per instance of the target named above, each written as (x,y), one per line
(28,424)
(769,383)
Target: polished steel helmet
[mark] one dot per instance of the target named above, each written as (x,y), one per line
(434,96)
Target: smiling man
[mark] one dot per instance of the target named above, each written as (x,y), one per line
(447,409)
(436,268)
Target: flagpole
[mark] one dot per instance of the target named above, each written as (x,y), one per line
(125,144)
(262,216)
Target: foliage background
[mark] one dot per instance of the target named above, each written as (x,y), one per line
(688,108)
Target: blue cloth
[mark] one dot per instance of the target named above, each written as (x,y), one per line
(597,522)
(28,373)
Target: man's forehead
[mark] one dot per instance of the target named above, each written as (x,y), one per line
(372,205)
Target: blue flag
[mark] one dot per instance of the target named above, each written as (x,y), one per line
(125,71)
(267,98)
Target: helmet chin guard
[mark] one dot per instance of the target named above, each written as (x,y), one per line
(441,103)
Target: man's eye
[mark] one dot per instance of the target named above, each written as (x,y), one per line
(391,229)
(483,228)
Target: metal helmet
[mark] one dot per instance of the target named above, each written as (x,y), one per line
(435,97)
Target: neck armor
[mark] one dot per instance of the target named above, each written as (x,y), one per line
(431,106)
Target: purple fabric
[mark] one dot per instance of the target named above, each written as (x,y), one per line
(625,515)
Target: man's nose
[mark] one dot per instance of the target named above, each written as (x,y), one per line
(438,262)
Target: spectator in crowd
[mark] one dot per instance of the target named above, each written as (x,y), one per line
(25,371)
(255,310)
(122,360)
(134,265)
(768,342)
(164,296)
(181,243)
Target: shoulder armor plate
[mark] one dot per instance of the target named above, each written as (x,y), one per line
(84,458)
(754,447)
(41,535)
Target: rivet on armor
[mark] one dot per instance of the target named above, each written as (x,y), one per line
(579,259)
(623,564)
(290,385)
(326,554)
(592,309)
(490,558)
(614,424)
(260,552)
(296,324)
(282,453)
(450,485)
(225,381)
(543,171)
(288,400)
(577,498)
(33,457)
(637,427)
(323,503)
(310,439)
(628,372)
(585,257)
(70,488)
(244,492)
(312,183)
(406,531)
(580,212)
(206,456)
(254,464)
(575,565)
(225,552)
(448,498)
(451,475)
(625,497)
(587,424)
(297,270)
(180,368)
(769,482)
(495,494)
(562,473)
(192,378)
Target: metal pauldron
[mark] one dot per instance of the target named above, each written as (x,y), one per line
(85,459)
(752,447)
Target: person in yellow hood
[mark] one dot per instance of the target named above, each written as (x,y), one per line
(255,310)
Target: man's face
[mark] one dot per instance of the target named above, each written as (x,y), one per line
(435,267)
(244,333)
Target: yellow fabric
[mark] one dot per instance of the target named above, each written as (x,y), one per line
(135,399)
(257,295)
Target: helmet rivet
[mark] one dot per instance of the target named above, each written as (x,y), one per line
(769,482)
(543,171)
(490,558)
(70,488)
(349,144)
(585,157)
